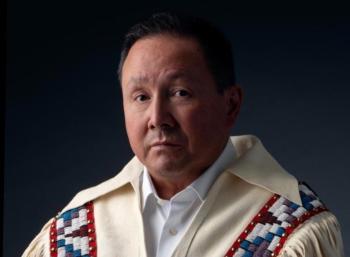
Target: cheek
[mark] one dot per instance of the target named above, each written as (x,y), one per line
(133,129)
(135,137)
(203,123)
(193,122)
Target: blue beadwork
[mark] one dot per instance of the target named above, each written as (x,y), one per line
(261,246)
(74,240)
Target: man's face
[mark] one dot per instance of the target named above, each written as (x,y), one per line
(176,121)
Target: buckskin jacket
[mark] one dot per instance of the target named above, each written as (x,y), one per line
(254,208)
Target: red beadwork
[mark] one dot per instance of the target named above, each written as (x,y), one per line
(91,230)
(257,217)
(53,239)
(289,230)
(261,214)
(90,233)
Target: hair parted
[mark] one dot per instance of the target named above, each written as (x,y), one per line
(215,46)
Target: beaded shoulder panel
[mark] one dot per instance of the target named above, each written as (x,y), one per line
(270,228)
(72,233)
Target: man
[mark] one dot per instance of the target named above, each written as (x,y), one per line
(191,190)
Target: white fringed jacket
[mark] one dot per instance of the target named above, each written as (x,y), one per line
(224,226)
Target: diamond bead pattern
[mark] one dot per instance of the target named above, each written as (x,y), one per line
(72,233)
(270,228)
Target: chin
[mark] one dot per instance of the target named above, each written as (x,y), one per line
(166,168)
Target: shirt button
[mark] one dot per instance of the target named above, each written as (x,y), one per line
(173,231)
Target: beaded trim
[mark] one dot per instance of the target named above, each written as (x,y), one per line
(270,228)
(72,233)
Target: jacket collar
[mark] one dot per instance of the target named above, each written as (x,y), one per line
(253,164)
(128,175)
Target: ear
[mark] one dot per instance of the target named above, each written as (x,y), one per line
(233,99)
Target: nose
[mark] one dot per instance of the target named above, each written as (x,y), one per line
(160,114)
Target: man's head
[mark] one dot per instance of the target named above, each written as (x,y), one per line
(177,118)
(214,45)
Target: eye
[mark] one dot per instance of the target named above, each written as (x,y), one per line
(182,93)
(141,98)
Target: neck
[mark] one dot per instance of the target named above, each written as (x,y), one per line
(166,188)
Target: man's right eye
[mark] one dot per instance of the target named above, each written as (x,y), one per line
(141,98)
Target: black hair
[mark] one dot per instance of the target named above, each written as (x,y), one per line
(215,46)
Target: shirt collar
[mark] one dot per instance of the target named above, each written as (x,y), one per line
(149,193)
(202,184)
(147,187)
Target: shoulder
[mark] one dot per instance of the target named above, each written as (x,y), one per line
(39,247)
(287,229)
(76,217)
(318,236)
(129,175)
(318,233)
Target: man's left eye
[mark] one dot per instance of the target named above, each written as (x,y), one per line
(181,93)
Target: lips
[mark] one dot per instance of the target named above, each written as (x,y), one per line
(164,145)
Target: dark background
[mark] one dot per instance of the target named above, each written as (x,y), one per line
(64,122)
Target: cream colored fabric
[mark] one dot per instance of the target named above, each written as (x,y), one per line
(233,200)
(166,221)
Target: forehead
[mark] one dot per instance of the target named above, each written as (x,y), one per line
(165,45)
(163,54)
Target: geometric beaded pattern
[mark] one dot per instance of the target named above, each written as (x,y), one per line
(270,228)
(72,233)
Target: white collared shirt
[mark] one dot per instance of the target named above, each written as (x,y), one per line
(165,221)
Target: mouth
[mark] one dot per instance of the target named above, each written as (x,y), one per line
(164,144)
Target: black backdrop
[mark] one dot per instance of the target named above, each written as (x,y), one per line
(64,121)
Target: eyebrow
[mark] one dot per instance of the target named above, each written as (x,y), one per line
(136,82)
